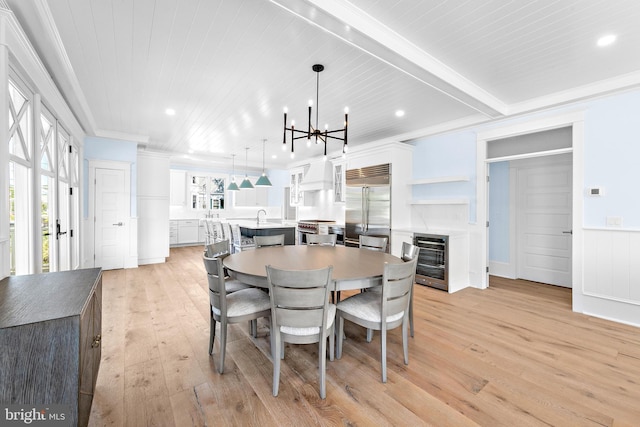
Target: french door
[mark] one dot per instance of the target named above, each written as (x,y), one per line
(43,177)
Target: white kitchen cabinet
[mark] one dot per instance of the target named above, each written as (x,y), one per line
(296,194)
(252,197)
(173,232)
(153,207)
(178,191)
(187,231)
(202,232)
(339,182)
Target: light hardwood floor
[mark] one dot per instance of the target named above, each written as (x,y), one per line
(511,355)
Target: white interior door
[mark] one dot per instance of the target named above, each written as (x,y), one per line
(544,220)
(111,215)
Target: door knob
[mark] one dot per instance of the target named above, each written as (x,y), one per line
(567,232)
(119,224)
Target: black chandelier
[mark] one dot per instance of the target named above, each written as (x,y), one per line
(317,134)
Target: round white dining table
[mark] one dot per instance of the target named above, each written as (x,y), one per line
(353,268)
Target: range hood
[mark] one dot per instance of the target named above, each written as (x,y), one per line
(318,176)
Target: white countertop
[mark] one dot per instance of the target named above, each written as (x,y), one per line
(264,225)
(437,231)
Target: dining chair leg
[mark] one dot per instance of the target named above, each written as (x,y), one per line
(332,339)
(369,334)
(405,343)
(212,333)
(322,367)
(276,363)
(411,313)
(340,322)
(253,327)
(383,352)
(223,345)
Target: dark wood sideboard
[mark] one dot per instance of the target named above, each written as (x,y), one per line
(50,332)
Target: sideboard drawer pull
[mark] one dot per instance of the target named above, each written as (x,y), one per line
(96,341)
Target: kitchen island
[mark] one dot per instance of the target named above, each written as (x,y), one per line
(254,228)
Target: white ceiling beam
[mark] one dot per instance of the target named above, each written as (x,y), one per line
(354,26)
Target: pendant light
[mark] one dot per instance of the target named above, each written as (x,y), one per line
(263,181)
(246,184)
(233,186)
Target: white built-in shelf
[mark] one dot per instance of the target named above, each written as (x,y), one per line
(440,202)
(439,180)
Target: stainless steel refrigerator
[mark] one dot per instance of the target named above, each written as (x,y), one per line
(368,208)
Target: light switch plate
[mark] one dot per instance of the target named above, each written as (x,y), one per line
(614,221)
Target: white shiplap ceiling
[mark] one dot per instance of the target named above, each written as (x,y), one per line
(228,67)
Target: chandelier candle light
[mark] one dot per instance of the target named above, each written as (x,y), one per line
(318,135)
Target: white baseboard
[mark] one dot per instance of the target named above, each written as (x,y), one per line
(502,269)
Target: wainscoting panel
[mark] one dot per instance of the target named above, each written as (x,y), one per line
(612,264)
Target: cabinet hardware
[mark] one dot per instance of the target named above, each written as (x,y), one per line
(96,341)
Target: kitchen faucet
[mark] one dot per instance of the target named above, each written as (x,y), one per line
(258,215)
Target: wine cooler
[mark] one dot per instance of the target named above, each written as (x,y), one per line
(433,260)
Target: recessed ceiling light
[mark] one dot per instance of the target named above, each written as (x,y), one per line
(274,156)
(399,113)
(607,40)
(170,112)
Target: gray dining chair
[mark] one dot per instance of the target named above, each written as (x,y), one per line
(322,239)
(227,307)
(221,247)
(301,314)
(381,311)
(373,243)
(226,231)
(325,240)
(239,242)
(267,241)
(410,252)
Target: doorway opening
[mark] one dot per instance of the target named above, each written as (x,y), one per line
(571,120)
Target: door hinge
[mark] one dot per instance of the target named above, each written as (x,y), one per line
(70,149)
(487,223)
(487,269)
(71,233)
(71,191)
(487,178)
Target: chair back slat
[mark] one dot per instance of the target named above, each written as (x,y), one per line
(299,297)
(373,243)
(266,241)
(409,251)
(322,239)
(311,318)
(216,279)
(218,248)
